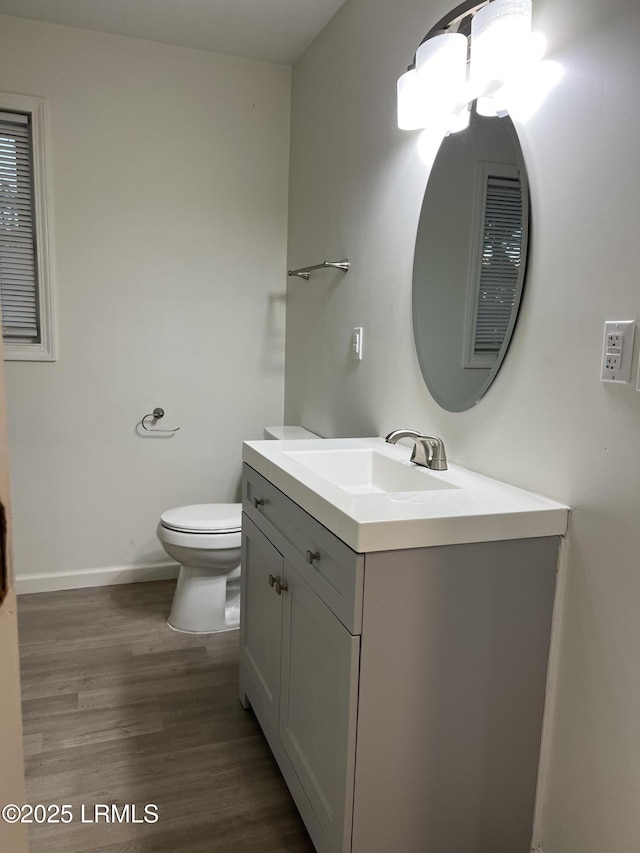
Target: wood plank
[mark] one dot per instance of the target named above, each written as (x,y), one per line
(125,710)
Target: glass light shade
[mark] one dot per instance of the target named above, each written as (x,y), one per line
(413,112)
(433,88)
(500,40)
(441,70)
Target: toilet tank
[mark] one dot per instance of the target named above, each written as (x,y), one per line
(288,433)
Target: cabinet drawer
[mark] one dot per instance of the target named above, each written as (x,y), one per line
(330,567)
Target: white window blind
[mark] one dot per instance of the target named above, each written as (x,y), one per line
(500,263)
(18,263)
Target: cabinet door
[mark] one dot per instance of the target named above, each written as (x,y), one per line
(318,705)
(261,623)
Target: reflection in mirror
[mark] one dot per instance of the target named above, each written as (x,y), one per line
(470,260)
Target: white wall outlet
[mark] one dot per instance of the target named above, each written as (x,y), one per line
(617,351)
(356,343)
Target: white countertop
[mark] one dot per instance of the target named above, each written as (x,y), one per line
(462,507)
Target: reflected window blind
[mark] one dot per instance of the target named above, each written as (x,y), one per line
(501,256)
(18,276)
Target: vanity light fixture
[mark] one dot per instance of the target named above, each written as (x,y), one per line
(472,54)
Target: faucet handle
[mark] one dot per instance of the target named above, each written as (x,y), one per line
(437,458)
(428,450)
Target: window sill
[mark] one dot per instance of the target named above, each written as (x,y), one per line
(28,352)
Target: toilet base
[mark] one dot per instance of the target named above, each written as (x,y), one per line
(203,604)
(231,625)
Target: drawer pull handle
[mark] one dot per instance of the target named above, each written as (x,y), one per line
(272,580)
(311,556)
(280,587)
(258,502)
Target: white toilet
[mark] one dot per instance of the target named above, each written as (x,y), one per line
(206,540)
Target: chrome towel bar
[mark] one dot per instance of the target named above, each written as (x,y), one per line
(305,272)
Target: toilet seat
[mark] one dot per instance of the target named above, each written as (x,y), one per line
(203,518)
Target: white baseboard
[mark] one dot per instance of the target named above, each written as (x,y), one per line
(107,576)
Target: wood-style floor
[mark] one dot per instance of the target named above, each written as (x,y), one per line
(120,709)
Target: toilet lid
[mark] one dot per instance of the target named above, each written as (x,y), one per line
(204,518)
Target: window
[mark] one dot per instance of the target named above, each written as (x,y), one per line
(496,263)
(25,279)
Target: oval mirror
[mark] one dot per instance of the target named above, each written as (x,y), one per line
(470,260)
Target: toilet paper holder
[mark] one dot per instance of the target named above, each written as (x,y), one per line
(156,415)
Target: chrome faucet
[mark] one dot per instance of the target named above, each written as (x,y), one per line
(428,450)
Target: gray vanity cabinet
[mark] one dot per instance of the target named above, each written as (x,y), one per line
(401,692)
(300,674)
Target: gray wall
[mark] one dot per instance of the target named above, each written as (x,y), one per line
(169,175)
(548,423)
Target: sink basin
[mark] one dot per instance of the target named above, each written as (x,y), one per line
(365,471)
(371,496)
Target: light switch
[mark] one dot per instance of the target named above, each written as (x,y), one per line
(356,343)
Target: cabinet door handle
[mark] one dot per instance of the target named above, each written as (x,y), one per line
(280,587)
(258,502)
(311,556)
(272,580)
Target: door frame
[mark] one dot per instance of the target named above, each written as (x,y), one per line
(13,837)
